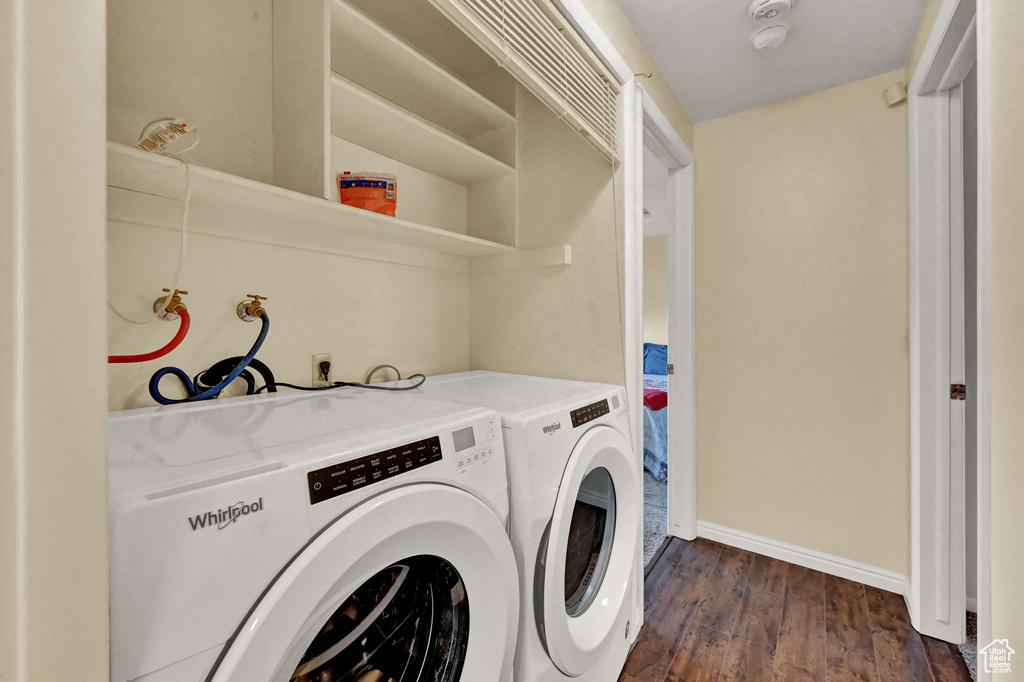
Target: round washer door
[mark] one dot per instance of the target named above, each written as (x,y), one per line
(591,550)
(418,583)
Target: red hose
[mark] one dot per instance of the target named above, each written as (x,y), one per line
(178,338)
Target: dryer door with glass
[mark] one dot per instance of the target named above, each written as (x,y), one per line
(418,583)
(590,551)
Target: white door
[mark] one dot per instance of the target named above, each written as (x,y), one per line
(418,583)
(590,550)
(952,517)
(971,336)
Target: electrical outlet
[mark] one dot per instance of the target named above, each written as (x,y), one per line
(318,377)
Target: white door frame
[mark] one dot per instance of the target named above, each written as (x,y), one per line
(661,138)
(937,591)
(647,126)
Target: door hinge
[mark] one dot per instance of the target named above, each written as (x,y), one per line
(958,392)
(670,369)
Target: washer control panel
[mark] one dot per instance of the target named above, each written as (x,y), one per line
(474,444)
(344,477)
(589,413)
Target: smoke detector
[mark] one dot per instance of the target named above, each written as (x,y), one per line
(769,36)
(770,11)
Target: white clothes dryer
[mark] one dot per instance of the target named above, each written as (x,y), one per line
(344,535)
(576,514)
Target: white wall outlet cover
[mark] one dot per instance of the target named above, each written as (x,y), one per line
(762,11)
(318,379)
(769,37)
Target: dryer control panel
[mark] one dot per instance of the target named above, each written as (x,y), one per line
(589,413)
(354,474)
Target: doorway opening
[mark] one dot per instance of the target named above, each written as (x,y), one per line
(656,225)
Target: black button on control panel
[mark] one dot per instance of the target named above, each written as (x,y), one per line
(589,413)
(345,477)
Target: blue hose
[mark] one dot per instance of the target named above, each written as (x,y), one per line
(190,387)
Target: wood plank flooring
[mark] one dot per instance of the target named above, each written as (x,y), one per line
(719,614)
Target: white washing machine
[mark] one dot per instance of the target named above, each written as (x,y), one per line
(577,508)
(340,535)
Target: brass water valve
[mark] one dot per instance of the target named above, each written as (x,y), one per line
(174,308)
(250,310)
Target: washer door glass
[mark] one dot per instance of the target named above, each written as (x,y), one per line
(407,623)
(383,594)
(590,540)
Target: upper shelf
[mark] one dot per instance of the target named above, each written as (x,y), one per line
(369,120)
(372,56)
(234,207)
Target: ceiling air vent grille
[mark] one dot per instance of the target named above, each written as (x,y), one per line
(532,40)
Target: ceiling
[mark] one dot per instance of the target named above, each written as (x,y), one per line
(703,49)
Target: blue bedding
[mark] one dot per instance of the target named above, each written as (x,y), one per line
(655,359)
(656,431)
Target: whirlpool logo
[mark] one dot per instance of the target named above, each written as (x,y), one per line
(551,428)
(222,518)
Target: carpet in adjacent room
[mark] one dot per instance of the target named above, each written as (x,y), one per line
(969,649)
(655,515)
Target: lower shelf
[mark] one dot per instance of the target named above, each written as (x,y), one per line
(148,189)
(239,206)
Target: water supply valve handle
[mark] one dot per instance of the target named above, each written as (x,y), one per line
(174,308)
(249,310)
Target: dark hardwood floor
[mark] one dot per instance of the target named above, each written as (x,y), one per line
(720,614)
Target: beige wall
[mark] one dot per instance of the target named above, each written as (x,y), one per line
(656,289)
(225,88)
(363,312)
(560,321)
(802,363)
(53,497)
(612,20)
(1007,101)
(931,13)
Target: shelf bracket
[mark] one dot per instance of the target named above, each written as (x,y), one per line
(546,256)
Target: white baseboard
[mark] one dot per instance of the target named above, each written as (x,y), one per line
(907,599)
(883,579)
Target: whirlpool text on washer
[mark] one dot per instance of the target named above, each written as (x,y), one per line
(222,518)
